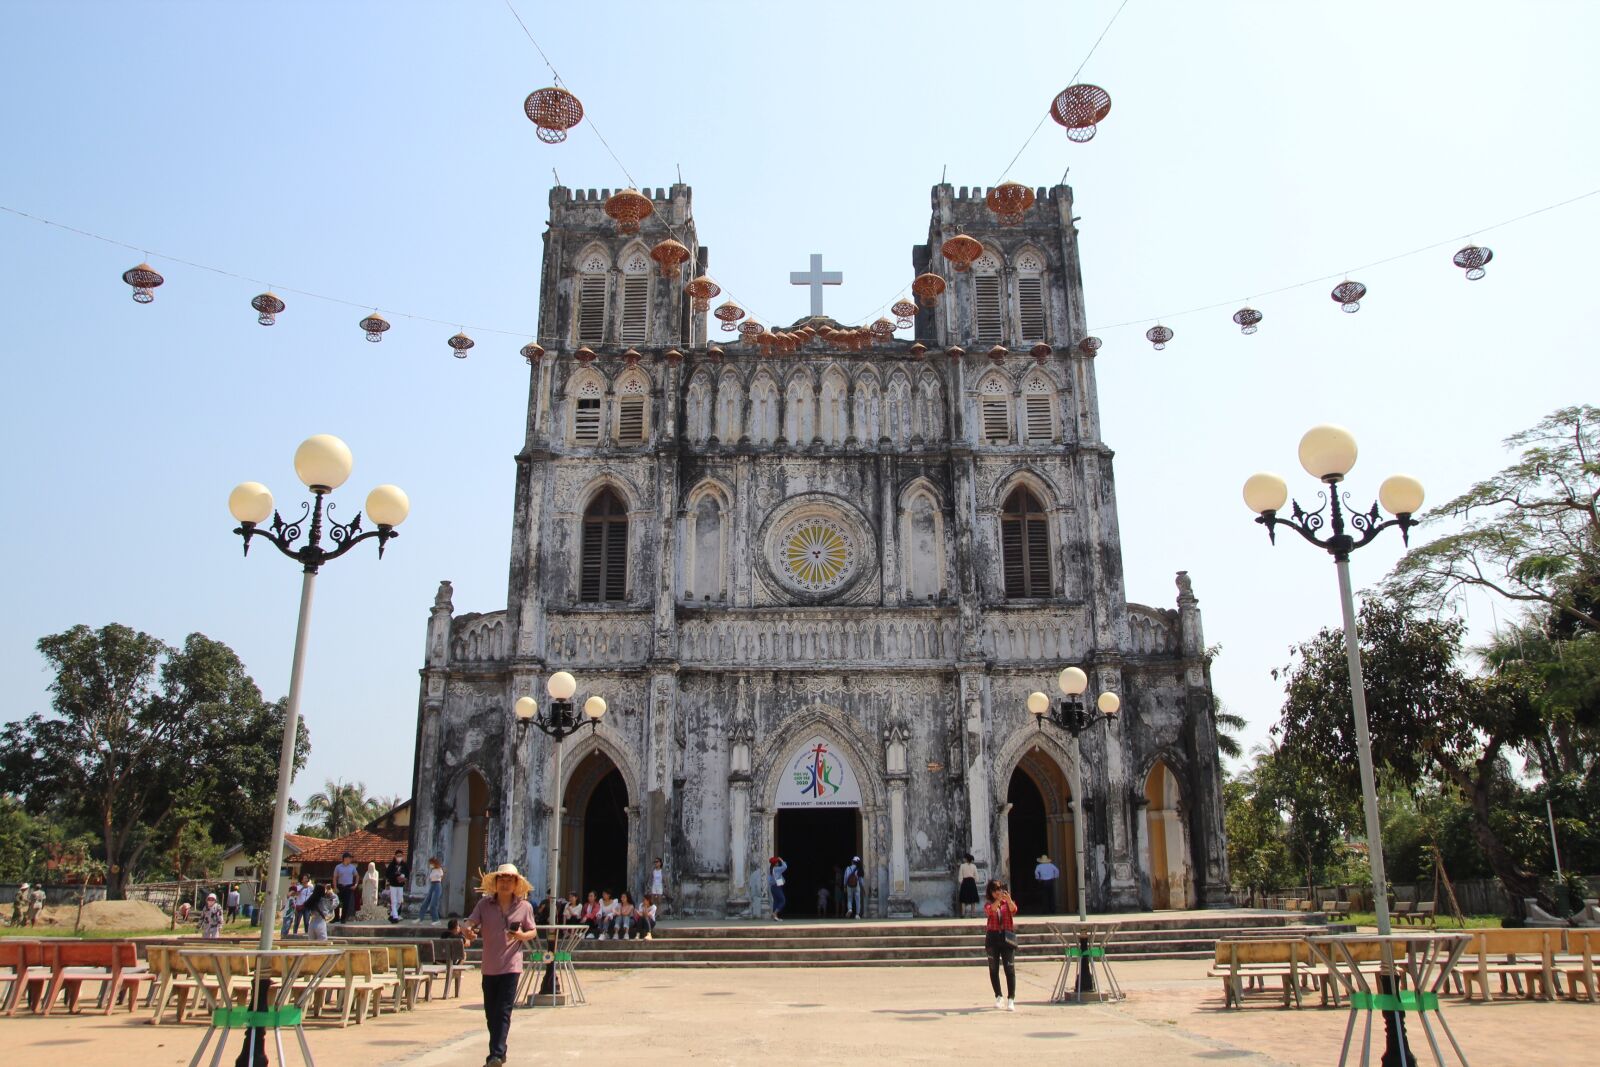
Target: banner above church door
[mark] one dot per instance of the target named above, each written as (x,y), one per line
(818,777)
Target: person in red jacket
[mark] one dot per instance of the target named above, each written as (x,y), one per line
(1000,942)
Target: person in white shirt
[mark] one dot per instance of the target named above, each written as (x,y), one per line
(655,886)
(610,908)
(1045,874)
(430,905)
(644,920)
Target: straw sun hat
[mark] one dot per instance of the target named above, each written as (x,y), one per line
(523,885)
(1044,858)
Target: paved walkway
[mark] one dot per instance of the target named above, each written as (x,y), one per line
(885,1015)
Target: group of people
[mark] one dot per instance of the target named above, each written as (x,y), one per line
(850,882)
(27,904)
(613,918)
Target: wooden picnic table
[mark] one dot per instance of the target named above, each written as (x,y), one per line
(281,981)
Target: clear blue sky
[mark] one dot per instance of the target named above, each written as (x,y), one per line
(378,152)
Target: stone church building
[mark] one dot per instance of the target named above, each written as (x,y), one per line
(815,589)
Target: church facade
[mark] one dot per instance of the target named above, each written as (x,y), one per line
(815,589)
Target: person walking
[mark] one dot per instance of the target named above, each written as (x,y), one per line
(395,877)
(211,918)
(430,904)
(775,869)
(1000,942)
(233,903)
(1045,875)
(504,919)
(35,904)
(967,875)
(19,905)
(345,876)
(854,875)
(318,908)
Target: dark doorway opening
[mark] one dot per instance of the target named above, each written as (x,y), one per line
(605,836)
(1029,830)
(815,842)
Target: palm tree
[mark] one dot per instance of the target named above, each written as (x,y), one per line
(1228,727)
(340,808)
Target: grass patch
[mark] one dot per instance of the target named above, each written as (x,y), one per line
(236,929)
(1445,923)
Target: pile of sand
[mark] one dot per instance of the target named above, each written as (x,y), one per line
(108,915)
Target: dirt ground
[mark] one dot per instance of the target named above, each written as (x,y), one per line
(1173,1015)
(106,915)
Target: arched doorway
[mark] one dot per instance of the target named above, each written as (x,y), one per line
(1167,843)
(1039,822)
(468,841)
(594,838)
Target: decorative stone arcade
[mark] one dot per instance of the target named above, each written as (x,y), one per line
(815,592)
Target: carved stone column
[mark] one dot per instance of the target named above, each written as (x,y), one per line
(741,736)
(894,745)
(980,819)
(1117,848)
(427,774)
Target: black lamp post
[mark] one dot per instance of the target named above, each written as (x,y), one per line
(559,721)
(1071,714)
(1327,453)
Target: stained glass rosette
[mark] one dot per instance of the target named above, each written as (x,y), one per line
(817,555)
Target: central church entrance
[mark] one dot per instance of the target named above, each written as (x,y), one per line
(1039,823)
(817,844)
(594,839)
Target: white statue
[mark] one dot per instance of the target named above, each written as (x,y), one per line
(372,906)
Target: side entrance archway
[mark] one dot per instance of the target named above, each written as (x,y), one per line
(1039,822)
(1168,860)
(468,839)
(594,834)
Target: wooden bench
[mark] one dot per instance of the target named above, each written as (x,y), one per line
(1338,908)
(1510,955)
(1421,912)
(170,981)
(113,965)
(359,981)
(1579,962)
(25,967)
(1252,961)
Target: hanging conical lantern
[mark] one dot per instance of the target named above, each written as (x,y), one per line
(905,312)
(629,207)
(998,354)
(961,251)
(1009,201)
(533,352)
(672,356)
(143,279)
(1348,295)
(1247,318)
(1472,259)
(670,255)
(584,355)
(918,350)
(700,291)
(928,287)
(459,345)
(715,353)
(750,329)
(1041,352)
(1079,108)
(882,330)
(375,325)
(631,357)
(730,314)
(267,306)
(955,351)
(1158,336)
(554,111)
(1089,345)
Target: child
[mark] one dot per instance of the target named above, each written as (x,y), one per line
(822,900)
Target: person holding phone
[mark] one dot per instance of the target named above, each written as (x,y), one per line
(1000,942)
(504,919)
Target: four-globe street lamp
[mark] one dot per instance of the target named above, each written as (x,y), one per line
(1327,453)
(559,721)
(323,463)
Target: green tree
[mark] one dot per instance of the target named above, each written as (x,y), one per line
(135,728)
(339,808)
(1316,819)
(1229,726)
(1530,533)
(1258,851)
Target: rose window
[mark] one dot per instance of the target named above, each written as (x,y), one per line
(816,554)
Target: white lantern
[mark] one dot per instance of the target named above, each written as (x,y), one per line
(323,461)
(1400,494)
(1073,681)
(1328,452)
(250,502)
(561,686)
(1265,493)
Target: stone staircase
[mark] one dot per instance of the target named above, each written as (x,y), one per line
(927,942)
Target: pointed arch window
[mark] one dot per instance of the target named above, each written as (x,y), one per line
(586,402)
(604,574)
(593,269)
(1030,297)
(635,298)
(1025,546)
(632,410)
(1038,410)
(994,411)
(986,321)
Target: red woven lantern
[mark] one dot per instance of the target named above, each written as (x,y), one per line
(533,352)
(730,314)
(669,255)
(1247,319)
(905,313)
(928,287)
(961,251)
(584,354)
(629,207)
(998,354)
(554,111)
(459,345)
(1472,259)
(750,329)
(267,307)
(700,291)
(1079,108)
(376,326)
(1158,336)
(1089,345)
(881,330)
(1041,352)
(1009,201)
(1348,295)
(143,279)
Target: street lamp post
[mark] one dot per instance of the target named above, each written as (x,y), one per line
(1327,453)
(559,721)
(1069,714)
(323,463)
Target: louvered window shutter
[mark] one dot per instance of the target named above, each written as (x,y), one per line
(592,309)
(1025,547)
(986,307)
(630,420)
(616,576)
(1040,425)
(1037,543)
(604,562)
(1011,551)
(996,420)
(1030,307)
(635,309)
(586,420)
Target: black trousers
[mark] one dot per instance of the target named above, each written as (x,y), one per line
(347,903)
(499,997)
(1001,952)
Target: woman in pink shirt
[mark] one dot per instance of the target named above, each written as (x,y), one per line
(504,919)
